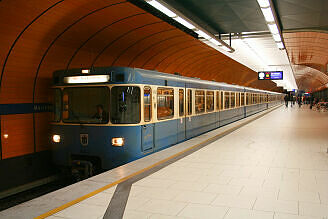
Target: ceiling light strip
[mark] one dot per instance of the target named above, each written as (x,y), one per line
(206,37)
(271,21)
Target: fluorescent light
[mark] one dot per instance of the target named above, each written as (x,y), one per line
(86,79)
(161,8)
(276,37)
(203,34)
(263,3)
(280,45)
(214,41)
(273,28)
(184,22)
(268,15)
(226,48)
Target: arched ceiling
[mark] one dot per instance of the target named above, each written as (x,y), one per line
(46,35)
(307,52)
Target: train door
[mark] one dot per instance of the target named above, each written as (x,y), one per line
(147,129)
(182,117)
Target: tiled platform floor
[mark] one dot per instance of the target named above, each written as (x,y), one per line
(275,167)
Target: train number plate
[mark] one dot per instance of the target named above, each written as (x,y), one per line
(84,139)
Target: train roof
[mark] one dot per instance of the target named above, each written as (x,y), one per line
(138,75)
(166,76)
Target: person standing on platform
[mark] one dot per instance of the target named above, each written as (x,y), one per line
(311,101)
(299,101)
(286,98)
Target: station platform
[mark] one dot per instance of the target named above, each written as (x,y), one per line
(271,165)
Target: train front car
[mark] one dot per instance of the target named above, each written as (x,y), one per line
(106,117)
(96,122)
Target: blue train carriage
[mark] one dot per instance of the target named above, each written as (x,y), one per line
(107,116)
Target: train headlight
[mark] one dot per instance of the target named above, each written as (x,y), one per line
(56,138)
(118,142)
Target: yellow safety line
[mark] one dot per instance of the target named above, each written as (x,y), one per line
(69,204)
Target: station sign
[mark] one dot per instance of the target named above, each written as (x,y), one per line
(270,75)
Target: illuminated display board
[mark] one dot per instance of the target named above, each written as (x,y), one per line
(270,75)
(86,79)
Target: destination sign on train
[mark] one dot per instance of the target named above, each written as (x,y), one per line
(270,75)
(86,79)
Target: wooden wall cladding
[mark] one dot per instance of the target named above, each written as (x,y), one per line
(42,36)
(19,129)
(308,52)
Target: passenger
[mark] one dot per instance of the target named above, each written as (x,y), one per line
(299,101)
(101,114)
(286,100)
(311,102)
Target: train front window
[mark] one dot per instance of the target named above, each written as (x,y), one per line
(85,105)
(125,105)
(57,105)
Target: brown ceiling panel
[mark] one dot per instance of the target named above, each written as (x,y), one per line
(308,54)
(184,57)
(181,65)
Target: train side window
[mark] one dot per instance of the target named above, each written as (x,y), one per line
(200,101)
(247,99)
(232,99)
(237,99)
(218,107)
(242,99)
(165,103)
(125,105)
(189,99)
(181,102)
(226,100)
(221,100)
(209,101)
(147,104)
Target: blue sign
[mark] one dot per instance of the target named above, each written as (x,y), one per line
(270,75)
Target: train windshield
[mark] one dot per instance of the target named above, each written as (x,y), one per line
(125,105)
(56,105)
(85,105)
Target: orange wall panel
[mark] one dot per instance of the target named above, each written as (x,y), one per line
(19,129)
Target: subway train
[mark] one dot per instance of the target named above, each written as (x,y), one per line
(107,116)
